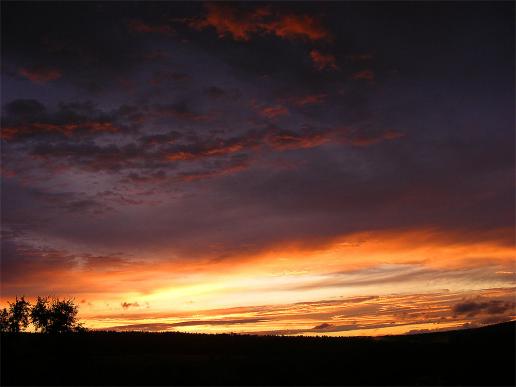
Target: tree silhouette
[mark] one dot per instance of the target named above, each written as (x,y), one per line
(55,316)
(40,314)
(18,315)
(4,320)
(63,316)
(58,316)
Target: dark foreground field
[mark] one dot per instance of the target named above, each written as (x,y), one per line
(484,356)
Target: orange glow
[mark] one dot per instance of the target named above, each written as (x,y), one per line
(377,264)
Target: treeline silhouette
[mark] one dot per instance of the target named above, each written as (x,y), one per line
(47,315)
(470,357)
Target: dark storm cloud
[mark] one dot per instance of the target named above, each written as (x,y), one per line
(25,110)
(472,308)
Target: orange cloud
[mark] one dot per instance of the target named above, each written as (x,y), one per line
(209,151)
(242,24)
(274,111)
(289,140)
(40,75)
(12,132)
(323,61)
(298,26)
(227,21)
(312,99)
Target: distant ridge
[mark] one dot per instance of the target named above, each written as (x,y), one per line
(474,357)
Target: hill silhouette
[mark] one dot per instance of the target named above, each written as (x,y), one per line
(480,356)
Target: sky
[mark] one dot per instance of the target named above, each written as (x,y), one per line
(314,168)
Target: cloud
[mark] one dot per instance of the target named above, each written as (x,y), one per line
(241,24)
(163,77)
(323,326)
(40,75)
(21,262)
(472,308)
(298,27)
(365,75)
(216,92)
(27,265)
(170,137)
(67,130)
(363,138)
(127,305)
(311,99)
(140,26)
(179,110)
(155,327)
(226,20)
(361,57)
(81,136)
(25,109)
(274,111)
(323,61)
(152,177)
(94,158)
(403,273)
(285,139)
(88,58)
(29,119)
(234,165)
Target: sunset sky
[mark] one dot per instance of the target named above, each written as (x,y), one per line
(311,168)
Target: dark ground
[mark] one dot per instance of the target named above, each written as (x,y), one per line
(483,356)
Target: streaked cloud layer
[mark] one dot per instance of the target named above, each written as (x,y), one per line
(234,167)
